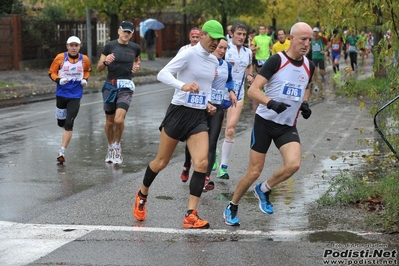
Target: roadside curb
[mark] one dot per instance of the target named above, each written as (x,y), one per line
(31,93)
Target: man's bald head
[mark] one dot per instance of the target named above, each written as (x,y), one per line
(300,27)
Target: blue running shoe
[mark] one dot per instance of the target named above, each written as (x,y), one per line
(264,203)
(230,215)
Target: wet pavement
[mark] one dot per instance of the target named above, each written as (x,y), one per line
(80,213)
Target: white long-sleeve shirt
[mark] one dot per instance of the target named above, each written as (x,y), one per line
(191,65)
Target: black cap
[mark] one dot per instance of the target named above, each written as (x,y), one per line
(127,26)
(270,27)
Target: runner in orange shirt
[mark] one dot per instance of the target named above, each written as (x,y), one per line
(70,70)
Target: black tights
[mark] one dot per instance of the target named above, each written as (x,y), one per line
(214,128)
(72,106)
(353,58)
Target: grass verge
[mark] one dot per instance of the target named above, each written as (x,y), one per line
(380,198)
(373,190)
(6,84)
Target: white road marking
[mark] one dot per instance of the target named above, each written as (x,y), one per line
(21,244)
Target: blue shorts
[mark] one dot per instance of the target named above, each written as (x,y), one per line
(335,56)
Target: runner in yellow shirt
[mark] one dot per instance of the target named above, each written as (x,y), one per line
(282,44)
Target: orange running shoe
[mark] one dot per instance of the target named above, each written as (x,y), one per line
(193,221)
(139,210)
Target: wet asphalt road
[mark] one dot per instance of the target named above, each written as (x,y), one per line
(80,213)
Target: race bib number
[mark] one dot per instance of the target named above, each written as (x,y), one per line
(292,92)
(125,84)
(352,48)
(335,46)
(237,86)
(196,100)
(316,47)
(217,96)
(261,62)
(60,114)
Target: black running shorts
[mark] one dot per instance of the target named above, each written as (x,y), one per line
(264,131)
(180,122)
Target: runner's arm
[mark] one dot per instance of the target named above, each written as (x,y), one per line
(55,67)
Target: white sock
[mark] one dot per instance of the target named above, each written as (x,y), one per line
(265,187)
(110,146)
(117,145)
(227,149)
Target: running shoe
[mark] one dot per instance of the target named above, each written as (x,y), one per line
(109,157)
(230,215)
(61,156)
(117,156)
(316,88)
(209,185)
(193,221)
(264,203)
(185,174)
(337,75)
(139,209)
(222,174)
(216,164)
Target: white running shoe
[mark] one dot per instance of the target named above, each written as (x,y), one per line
(117,158)
(61,156)
(109,157)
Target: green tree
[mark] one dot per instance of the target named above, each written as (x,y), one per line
(378,16)
(225,10)
(11,7)
(112,11)
(53,12)
(124,10)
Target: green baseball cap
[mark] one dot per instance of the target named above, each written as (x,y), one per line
(214,29)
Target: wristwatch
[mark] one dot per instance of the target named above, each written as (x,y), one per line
(105,64)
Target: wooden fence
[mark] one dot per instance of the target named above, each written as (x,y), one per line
(43,40)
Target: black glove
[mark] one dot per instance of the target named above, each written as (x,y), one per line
(278,107)
(306,112)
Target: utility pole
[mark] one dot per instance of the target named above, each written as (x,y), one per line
(185,30)
(88,34)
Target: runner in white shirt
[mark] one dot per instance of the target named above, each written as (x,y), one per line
(287,76)
(241,60)
(185,119)
(194,37)
(228,35)
(223,96)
